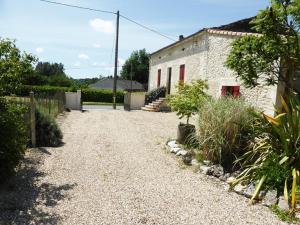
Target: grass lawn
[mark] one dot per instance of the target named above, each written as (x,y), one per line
(100,103)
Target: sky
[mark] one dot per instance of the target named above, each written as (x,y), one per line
(84,40)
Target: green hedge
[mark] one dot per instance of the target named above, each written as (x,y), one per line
(88,95)
(25,90)
(93,95)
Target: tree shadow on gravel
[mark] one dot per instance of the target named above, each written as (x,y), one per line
(21,194)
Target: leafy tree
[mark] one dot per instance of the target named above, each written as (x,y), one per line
(48,74)
(49,69)
(138,63)
(14,64)
(273,56)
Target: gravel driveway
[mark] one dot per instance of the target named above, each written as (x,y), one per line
(113,169)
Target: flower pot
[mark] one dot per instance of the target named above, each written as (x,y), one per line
(184,132)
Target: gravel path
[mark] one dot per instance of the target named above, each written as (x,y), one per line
(113,169)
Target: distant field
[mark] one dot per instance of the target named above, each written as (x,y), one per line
(101,103)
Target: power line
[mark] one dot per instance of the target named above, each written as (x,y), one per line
(147,28)
(89,67)
(78,7)
(110,12)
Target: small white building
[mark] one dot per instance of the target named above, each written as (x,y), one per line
(202,55)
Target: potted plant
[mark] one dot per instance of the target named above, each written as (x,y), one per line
(186,103)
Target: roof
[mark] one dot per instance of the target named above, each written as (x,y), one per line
(122,85)
(237,28)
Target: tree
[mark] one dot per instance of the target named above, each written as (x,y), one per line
(48,74)
(138,63)
(14,64)
(272,56)
(50,69)
(189,98)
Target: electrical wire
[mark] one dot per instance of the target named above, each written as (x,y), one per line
(78,7)
(104,11)
(147,28)
(89,67)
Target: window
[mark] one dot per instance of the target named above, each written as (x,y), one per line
(181,73)
(233,91)
(158,77)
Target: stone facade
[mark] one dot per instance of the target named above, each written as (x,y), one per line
(204,55)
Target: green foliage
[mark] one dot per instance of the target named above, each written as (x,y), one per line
(275,52)
(155,94)
(13,135)
(14,64)
(85,82)
(49,69)
(189,98)
(93,95)
(223,129)
(48,133)
(138,63)
(24,90)
(48,74)
(275,152)
(283,215)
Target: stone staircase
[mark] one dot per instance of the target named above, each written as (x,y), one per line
(155,106)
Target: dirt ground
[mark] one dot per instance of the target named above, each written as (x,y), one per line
(114,169)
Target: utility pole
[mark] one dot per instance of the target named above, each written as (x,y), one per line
(116,61)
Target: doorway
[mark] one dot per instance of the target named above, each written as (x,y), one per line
(169,79)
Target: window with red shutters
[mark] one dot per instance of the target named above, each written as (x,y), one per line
(233,91)
(158,77)
(236,91)
(181,73)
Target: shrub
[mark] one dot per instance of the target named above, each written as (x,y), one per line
(48,133)
(275,152)
(13,135)
(93,95)
(155,94)
(224,127)
(188,99)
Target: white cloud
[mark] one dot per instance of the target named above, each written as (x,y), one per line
(104,26)
(96,64)
(83,56)
(39,50)
(96,45)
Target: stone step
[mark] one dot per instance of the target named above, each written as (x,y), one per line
(155,104)
(158,101)
(148,109)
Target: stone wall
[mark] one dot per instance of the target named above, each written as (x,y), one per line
(204,56)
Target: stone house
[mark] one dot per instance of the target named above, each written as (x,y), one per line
(202,55)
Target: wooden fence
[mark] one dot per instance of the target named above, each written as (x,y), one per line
(50,104)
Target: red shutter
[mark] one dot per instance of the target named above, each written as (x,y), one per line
(236,91)
(182,73)
(224,91)
(158,77)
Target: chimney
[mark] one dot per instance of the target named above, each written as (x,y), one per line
(181,37)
